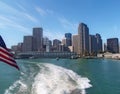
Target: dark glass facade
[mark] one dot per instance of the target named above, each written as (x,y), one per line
(113,45)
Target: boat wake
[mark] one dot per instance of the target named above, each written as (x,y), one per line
(48,79)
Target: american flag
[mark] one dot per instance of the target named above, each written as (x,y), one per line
(6,56)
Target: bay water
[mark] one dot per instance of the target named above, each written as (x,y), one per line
(63,76)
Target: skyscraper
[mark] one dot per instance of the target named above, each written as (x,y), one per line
(68,37)
(75,43)
(105,47)
(19,47)
(83,32)
(92,45)
(56,44)
(99,43)
(28,44)
(46,44)
(64,41)
(37,39)
(113,45)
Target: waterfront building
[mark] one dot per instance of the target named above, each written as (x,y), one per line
(83,32)
(64,41)
(27,43)
(45,41)
(68,37)
(50,42)
(46,44)
(92,45)
(19,47)
(113,45)
(99,43)
(56,42)
(37,38)
(14,48)
(119,47)
(105,47)
(67,48)
(61,48)
(50,45)
(75,43)
(70,48)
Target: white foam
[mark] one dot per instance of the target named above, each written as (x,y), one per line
(18,87)
(22,88)
(49,79)
(57,80)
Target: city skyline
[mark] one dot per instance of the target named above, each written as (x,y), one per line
(58,17)
(82,44)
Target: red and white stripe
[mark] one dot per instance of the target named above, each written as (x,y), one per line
(7,57)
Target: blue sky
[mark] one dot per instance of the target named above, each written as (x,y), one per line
(57,17)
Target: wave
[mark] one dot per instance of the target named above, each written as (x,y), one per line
(45,78)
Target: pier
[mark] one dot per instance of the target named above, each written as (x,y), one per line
(46,55)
